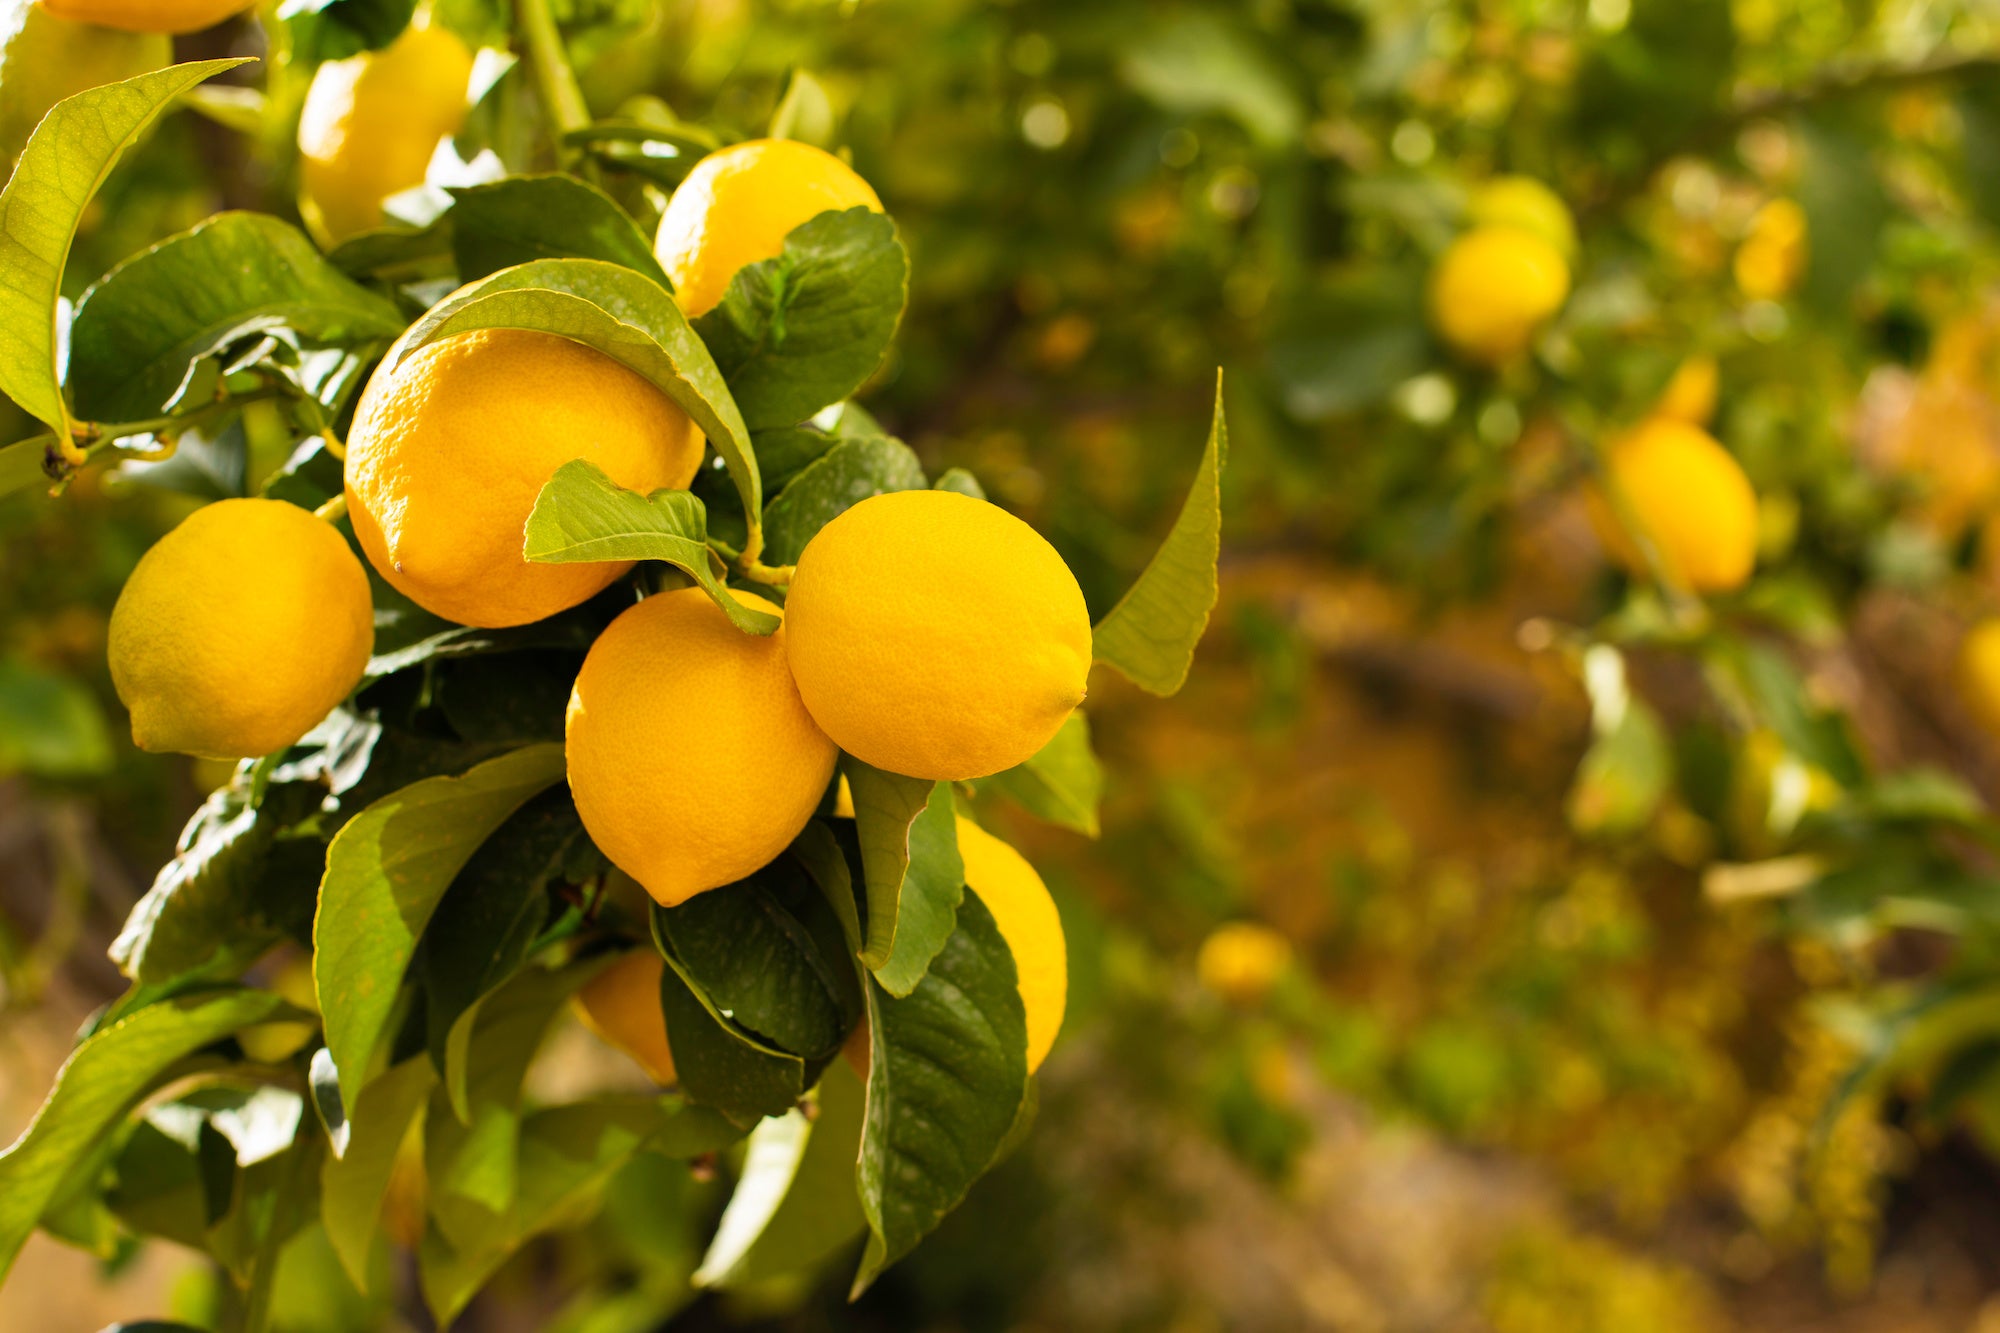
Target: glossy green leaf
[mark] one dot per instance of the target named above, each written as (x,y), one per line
(912,870)
(720,1065)
(847,474)
(582,515)
(102,1078)
(625,315)
(354,1184)
(385,873)
(1150,636)
(141,328)
(807,328)
(57,175)
(523,218)
(1062,783)
(946,1079)
(795,1201)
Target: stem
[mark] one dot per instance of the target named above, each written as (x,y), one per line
(776,576)
(333,510)
(553,75)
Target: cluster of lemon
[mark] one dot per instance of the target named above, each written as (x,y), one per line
(926,633)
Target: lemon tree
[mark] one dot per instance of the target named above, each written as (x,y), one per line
(582,648)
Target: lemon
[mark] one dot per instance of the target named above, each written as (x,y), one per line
(738,205)
(371,123)
(1493,288)
(1242,960)
(1027,918)
(1773,256)
(152,16)
(622,1005)
(1979,673)
(44,59)
(1690,395)
(691,758)
(1692,500)
(1526,203)
(936,635)
(240,630)
(451,445)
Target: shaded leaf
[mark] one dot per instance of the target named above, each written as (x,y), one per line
(848,473)
(522,218)
(1062,783)
(50,725)
(354,1183)
(719,1064)
(911,867)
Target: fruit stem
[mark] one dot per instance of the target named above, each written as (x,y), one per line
(553,75)
(333,510)
(775,576)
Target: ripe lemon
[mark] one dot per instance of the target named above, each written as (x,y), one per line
(1492,288)
(1690,496)
(738,205)
(936,635)
(1526,203)
(1242,961)
(450,448)
(156,16)
(240,630)
(691,758)
(44,59)
(1690,395)
(1979,673)
(1027,918)
(622,1005)
(1773,256)
(371,123)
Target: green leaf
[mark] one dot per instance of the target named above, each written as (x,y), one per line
(143,326)
(50,725)
(354,1184)
(385,873)
(1348,346)
(568,1154)
(818,849)
(1846,206)
(785,452)
(804,113)
(1192,61)
(23,464)
(808,328)
(720,1065)
(959,480)
(1062,783)
(795,1201)
(97,1084)
(233,888)
(57,175)
(847,474)
(914,876)
(583,515)
(522,218)
(948,1071)
(768,952)
(1629,766)
(1150,636)
(625,315)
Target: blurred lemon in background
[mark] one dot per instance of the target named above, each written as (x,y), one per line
(622,1005)
(1773,256)
(156,16)
(1528,205)
(1493,288)
(1242,960)
(44,59)
(1689,496)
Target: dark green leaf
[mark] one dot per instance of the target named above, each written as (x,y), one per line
(809,327)
(1150,636)
(947,1075)
(847,474)
(141,327)
(57,175)
(909,853)
(720,1065)
(582,515)
(520,218)
(385,873)
(785,452)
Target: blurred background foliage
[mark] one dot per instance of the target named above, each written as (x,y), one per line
(1631,959)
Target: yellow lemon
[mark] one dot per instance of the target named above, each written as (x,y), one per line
(371,123)
(691,758)
(1690,395)
(451,445)
(737,206)
(1493,288)
(44,59)
(1242,961)
(153,16)
(1692,500)
(1979,673)
(622,1005)
(240,630)
(1027,918)
(936,635)
(1773,256)
(1526,203)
